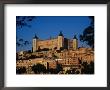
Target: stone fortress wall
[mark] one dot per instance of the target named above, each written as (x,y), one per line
(55,43)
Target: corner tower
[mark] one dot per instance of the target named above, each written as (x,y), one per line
(75,43)
(34,43)
(60,41)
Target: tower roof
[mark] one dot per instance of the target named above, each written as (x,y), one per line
(35,37)
(60,34)
(74,37)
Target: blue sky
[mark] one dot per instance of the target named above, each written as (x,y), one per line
(46,26)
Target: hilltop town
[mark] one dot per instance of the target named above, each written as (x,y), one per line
(58,55)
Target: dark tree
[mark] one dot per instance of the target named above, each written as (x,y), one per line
(32,57)
(62,48)
(87,68)
(68,72)
(91,68)
(39,68)
(73,71)
(52,71)
(88,33)
(55,48)
(22,21)
(29,51)
(59,68)
(20,70)
(77,72)
(45,49)
(54,56)
(79,61)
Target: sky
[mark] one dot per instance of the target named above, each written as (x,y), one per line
(50,26)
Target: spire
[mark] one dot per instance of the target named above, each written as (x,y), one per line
(60,34)
(35,37)
(74,37)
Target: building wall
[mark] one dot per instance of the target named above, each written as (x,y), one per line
(67,58)
(75,44)
(69,61)
(70,44)
(34,45)
(51,44)
(52,64)
(29,63)
(60,42)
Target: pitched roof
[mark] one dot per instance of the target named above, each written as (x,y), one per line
(74,37)
(60,34)
(35,37)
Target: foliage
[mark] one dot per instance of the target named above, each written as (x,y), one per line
(58,51)
(77,72)
(21,42)
(55,48)
(54,56)
(62,48)
(32,57)
(52,71)
(59,68)
(22,21)
(45,49)
(87,68)
(20,70)
(68,72)
(39,68)
(29,51)
(88,33)
(73,71)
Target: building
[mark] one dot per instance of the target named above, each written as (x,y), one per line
(49,64)
(69,59)
(54,52)
(55,43)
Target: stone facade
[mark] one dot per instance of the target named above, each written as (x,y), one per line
(53,52)
(67,58)
(55,43)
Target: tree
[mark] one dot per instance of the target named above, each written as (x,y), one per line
(38,68)
(45,49)
(54,56)
(91,67)
(20,70)
(32,57)
(88,33)
(77,72)
(23,21)
(73,70)
(55,48)
(59,68)
(87,68)
(29,51)
(68,72)
(52,71)
(61,48)
(79,61)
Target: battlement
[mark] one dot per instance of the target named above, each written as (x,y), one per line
(55,43)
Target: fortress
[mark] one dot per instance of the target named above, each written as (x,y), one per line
(55,43)
(54,52)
